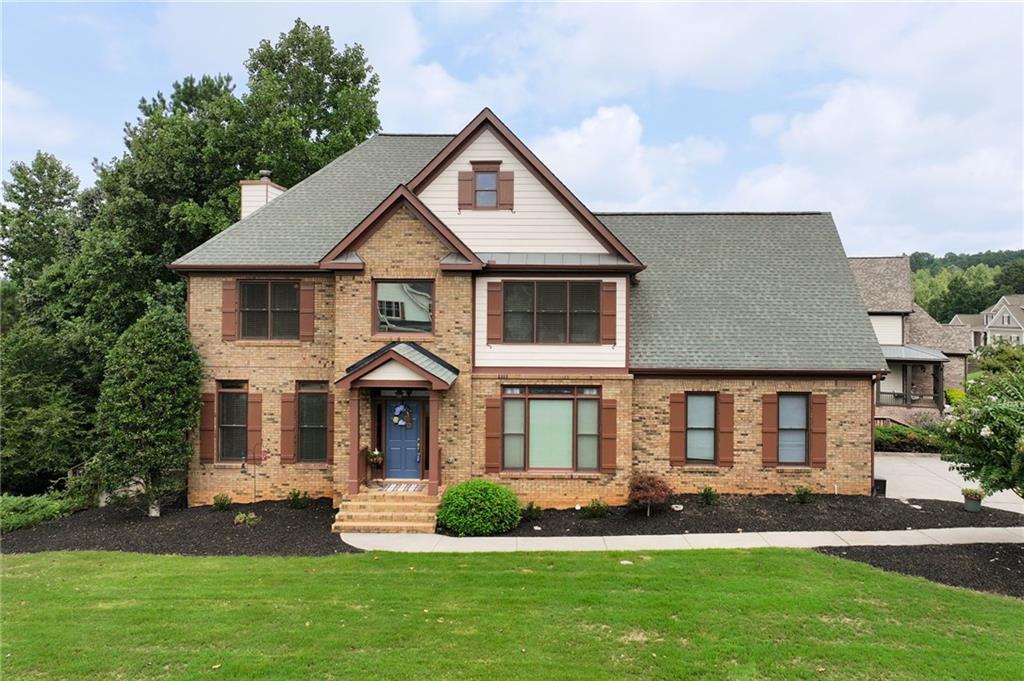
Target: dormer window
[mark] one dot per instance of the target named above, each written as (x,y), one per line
(485,187)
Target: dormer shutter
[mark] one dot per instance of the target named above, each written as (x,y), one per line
(465,189)
(505,192)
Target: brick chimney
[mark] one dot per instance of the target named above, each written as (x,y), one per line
(258,193)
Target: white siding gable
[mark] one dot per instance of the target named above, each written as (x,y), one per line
(392,371)
(538,223)
(566,355)
(888,328)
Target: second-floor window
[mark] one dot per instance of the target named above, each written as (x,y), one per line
(485,189)
(551,311)
(269,309)
(404,306)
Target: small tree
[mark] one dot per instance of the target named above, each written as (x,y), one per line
(985,432)
(648,489)
(149,403)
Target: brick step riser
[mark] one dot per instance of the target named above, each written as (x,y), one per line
(414,498)
(389,507)
(373,516)
(403,527)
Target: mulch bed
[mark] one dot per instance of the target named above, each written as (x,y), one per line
(766,514)
(199,531)
(998,568)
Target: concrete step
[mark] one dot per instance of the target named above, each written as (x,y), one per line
(383,526)
(389,506)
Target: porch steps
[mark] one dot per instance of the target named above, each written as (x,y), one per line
(377,511)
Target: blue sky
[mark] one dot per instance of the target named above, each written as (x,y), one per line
(903,120)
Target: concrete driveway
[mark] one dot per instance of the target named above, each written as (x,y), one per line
(916,476)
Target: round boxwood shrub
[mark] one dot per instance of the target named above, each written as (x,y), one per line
(478,508)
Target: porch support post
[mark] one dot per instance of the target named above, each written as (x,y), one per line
(353,441)
(434,479)
(940,387)
(908,382)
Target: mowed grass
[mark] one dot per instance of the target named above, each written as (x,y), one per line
(764,614)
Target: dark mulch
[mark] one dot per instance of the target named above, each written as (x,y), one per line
(998,568)
(198,531)
(769,513)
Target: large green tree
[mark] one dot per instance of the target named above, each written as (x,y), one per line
(149,403)
(1010,279)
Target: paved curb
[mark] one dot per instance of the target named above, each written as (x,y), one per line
(436,543)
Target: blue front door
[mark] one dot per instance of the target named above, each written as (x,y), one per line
(402,458)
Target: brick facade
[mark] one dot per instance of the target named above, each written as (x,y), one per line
(404,248)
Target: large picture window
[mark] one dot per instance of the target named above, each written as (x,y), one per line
(269,309)
(700,427)
(550,427)
(232,419)
(551,311)
(404,306)
(793,429)
(312,421)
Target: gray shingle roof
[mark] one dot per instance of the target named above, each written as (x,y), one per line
(923,330)
(744,291)
(598,259)
(884,283)
(415,353)
(303,224)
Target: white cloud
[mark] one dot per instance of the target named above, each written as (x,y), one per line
(30,122)
(605,159)
(766,124)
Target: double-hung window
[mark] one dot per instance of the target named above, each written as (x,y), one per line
(232,419)
(551,311)
(792,429)
(312,420)
(269,309)
(550,427)
(700,427)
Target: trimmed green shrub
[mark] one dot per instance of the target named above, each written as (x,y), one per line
(297,499)
(532,512)
(708,496)
(18,512)
(954,396)
(222,502)
(248,519)
(803,494)
(896,438)
(478,508)
(595,509)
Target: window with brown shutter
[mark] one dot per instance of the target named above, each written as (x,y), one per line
(269,310)
(229,310)
(255,427)
(701,427)
(818,436)
(288,428)
(608,312)
(312,421)
(550,427)
(549,311)
(494,315)
(307,310)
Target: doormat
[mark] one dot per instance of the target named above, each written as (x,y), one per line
(396,487)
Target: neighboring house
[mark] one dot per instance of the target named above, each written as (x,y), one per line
(448,301)
(923,356)
(1004,322)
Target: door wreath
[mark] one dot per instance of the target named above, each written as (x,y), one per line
(402,415)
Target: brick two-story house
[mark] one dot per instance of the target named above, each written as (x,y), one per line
(447,301)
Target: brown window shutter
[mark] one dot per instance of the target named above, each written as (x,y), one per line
(609,436)
(677,429)
(492,443)
(505,192)
(608,313)
(819,420)
(725,421)
(229,310)
(254,421)
(288,415)
(307,309)
(465,189)
(495,303)
(770,430)
(330,428)
(208,428)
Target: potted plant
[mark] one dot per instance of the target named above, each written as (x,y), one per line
(972,498)
(374,459)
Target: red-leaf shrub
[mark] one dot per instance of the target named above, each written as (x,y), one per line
(648,489)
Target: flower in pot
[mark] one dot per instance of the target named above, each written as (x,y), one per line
(375,457)
(972,498)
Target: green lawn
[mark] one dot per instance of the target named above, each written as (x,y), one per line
(696,614)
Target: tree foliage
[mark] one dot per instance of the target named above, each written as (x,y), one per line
(952,291)
(1010,278)
(985,432)
(85,265)
(149,402)
(1000,357)
(921,260)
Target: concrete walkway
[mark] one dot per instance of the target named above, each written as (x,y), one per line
(436,543)
(925,476)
